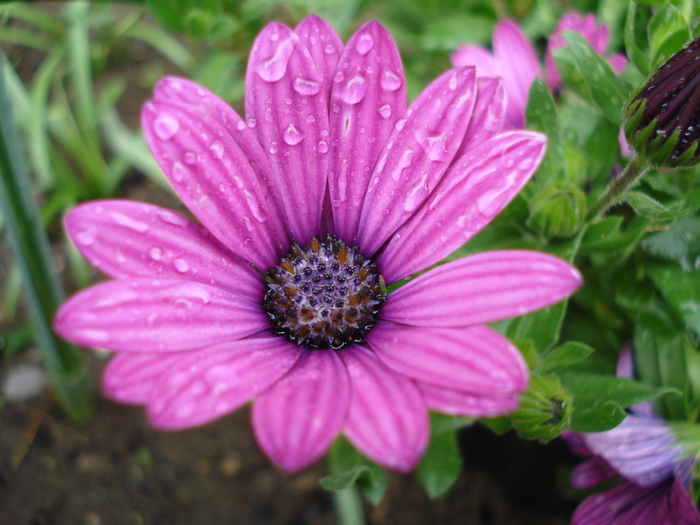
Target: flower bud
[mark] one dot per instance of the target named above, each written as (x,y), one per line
(662,120)
(545,409)
(558,210)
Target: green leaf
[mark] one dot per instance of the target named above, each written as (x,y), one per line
(680,243)
(599,400)
(651,208)
(668,30)
(602,87)
(442,462)
(601,231)
(636,55)
(348,466)
(680,289)
(563,356)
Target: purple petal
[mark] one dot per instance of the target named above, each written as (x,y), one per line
(618,62)
(475,189)
(482,59)
(591,472)
(489,111)
(481,288)
(665,504)
(176,89)
(286,95)
(207,384)
(157,315)
(297,419)
(133,239)
(422,146)
(325,47)
(369,95)
(387,420)
(641,449)
(213,177)
(476,359)
(129,378)
(459,403)
(519,67)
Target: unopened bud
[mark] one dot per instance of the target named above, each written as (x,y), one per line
(545,409)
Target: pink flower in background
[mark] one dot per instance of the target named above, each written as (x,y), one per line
(515,60)
(328,189)
(596,35)
(645,452)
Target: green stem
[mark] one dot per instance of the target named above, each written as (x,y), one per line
(631,174)
(67,366)
(348,506)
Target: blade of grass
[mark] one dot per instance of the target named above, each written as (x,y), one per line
(67,365)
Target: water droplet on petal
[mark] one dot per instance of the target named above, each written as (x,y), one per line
(87,237)
(251,123)
(181,265)
(526,164)
(179,172)
(385,110)
(434,146)
(273,148)
(258,212)
(390,81)
(248,224)
(292,135)
(166,126)
(190,157)
(354,90)
(125,221)
(274,68)
(490,203)
(217,149)
(453,83)
(306,87)
(329,49)
(240,126)
(156,253)
(172,218)
(323,147)
(364,44)
(416,195)
(94,336)
(400,124)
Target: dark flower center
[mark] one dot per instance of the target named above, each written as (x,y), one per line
(324,295)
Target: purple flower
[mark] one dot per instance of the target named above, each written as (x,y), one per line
(327,191)
(515,60)
(644,451)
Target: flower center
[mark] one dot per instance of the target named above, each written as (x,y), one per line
(324,295)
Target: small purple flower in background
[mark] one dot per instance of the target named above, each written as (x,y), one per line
(644,451)
(515,60)
(329,189)
(587,26)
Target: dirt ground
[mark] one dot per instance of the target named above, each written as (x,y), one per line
(118,471)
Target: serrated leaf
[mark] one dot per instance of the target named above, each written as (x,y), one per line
(651,208)
(680,243)
(565,355)
(604,89)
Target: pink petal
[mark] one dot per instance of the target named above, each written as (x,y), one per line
(476,359)
(481,288)
(133,239)
(459,403)
(157,315)
(207,384)
(618,62)
(419,151)
(297,419)
(213,177)
(129,378)
(176,89)
(368,96)
(325,47)
(474,190)
(387,420)
(482,59)
(519,67)
(591,472)
(286,95)
(489,111)
(668,503)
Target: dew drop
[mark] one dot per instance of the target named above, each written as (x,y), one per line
(329,49)
(179,172)
(125,221)
(175,219)
(306,87)
(526,164)
(364,44)
(217,149)
(354,90)
(273,148)
(248,224)
(453,83)
(166,126)
(190,157)
(92,336)
(435,146)
(120,256)
(251,123)
(155,253)
(254,206)
(87,237)
(292,135)
(274,68)
(323,147)
(390,81)
(384,111)
(181,265)
(240,126)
